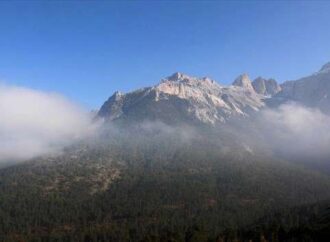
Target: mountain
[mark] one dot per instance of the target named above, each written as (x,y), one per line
(173,180)
(244,82)
(181,98)
(312,91)
(267,87)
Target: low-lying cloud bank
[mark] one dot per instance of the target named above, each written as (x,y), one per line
(296,130)
(291,131)
(34,123)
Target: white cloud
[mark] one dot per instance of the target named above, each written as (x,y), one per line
(34,123)
(297,129)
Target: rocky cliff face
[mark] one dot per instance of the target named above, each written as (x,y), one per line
(244,82)
(313,90)
(267,87)
(180,98)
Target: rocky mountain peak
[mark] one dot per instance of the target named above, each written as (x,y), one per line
(243,81)
(112,107)
(182,98)
(182,85)
(266,87)
(185,87)
(178,76)
(181,78)
(325,68)
(312,91)
(117,95)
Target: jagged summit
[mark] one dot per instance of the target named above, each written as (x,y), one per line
(243,81)
(184,78)
(313,90)
(182,98)
(118,94)
(112,108)
(178,76)
(266,87)
(325,68)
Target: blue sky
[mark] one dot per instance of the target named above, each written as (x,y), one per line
(86,50)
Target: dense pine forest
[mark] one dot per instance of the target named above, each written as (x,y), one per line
(162,190)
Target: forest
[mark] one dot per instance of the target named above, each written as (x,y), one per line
(162,190)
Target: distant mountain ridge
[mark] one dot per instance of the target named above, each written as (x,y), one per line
(182,98)
(158,182)
(267,87)
(312,91)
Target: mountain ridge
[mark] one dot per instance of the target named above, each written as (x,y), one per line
(180,97)
(198,99)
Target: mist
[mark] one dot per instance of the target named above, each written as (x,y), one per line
(35,123)
(296,130)
(289,131)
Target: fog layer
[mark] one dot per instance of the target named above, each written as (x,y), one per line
(34,123)
(296,130)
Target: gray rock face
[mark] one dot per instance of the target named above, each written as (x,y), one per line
(181,98)
(244,82)
(112,108)
(313,90)
(266,87)
(325,68)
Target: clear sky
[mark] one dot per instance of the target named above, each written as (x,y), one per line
(86,50)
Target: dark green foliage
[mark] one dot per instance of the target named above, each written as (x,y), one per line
(307,223)
(163,190)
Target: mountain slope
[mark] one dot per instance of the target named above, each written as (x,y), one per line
(162,191)
(312,91)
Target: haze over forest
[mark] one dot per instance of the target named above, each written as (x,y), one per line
(102,139)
